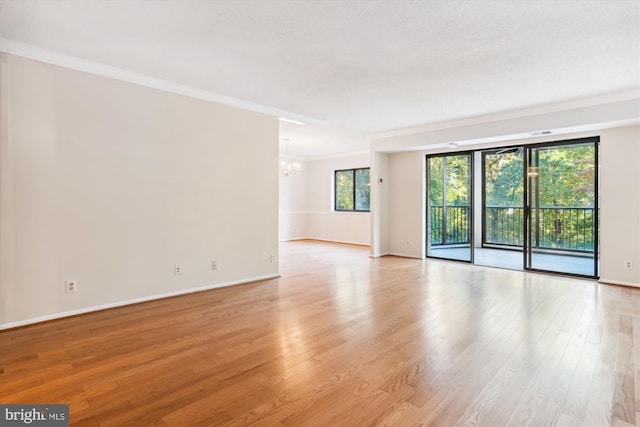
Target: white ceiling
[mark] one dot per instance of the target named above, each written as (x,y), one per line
(356,67)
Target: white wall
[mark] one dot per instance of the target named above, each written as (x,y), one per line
(620,205)
(294,218)
(112,184)
(314,189)
(620,200)
(406,188)
(379,204)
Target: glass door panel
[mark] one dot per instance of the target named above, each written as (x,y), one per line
(503,209)
(449,200)
(562,225)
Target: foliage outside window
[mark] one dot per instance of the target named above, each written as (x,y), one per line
(449,197)
(352,190)
(562,196)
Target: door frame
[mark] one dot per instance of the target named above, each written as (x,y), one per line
(528,203)
(427,237)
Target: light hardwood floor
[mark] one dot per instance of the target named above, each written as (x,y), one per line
(342,339)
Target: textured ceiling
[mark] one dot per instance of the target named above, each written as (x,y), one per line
(360,67)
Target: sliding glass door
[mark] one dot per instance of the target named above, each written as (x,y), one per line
(562,208)
(449,213)
(536,207)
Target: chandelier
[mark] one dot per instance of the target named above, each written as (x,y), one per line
(288,167)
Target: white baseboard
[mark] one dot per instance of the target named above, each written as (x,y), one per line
(327,240)
(133,301)
(403,255)
(381,254)
(293,239)
(618,282)
(346,242)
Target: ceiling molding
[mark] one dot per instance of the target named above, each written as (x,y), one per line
(584,119)
(50,57)
(337,155)
(514,114)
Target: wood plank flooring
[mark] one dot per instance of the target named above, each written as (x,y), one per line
(342,339)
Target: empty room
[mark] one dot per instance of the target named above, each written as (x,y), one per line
(320,213)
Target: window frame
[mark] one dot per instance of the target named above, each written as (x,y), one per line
(353,194)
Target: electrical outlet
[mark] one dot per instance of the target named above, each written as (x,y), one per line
(214,264)
(273,258)
(177,270)
(71,286)
(628,265)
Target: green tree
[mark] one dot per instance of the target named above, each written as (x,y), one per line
(363,189)
(561,182)
(344,190)
(503,179)
(449,199)
(435,181)
(566,176)
(353,190)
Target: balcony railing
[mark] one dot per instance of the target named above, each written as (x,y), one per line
(559,228)
(457,225)
(503,226)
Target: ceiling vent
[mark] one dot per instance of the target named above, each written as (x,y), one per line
(544,132)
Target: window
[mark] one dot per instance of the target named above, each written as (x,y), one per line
(352,190)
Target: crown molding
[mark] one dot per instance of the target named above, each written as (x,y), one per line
(50,57)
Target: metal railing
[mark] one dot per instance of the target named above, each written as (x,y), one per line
(456,222)
(503,226)
(562,228)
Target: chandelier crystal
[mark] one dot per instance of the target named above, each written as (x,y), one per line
(288,168)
